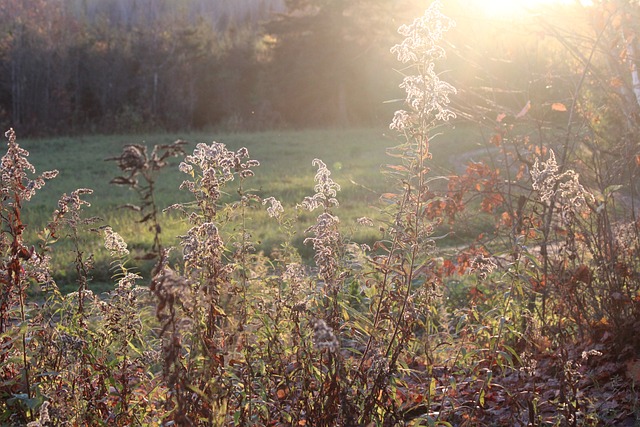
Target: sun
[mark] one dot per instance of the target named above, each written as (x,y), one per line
(512,8)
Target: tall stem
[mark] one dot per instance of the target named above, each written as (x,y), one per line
(423,152)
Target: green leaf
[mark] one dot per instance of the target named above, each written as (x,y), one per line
(31,403)
(513,352)
(432,388)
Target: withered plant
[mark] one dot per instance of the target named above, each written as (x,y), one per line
(136,164)
(401,332)
(19,267)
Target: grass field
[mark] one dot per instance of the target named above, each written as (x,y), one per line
(355,157)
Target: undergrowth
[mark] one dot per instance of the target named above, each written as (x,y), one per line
(395,332)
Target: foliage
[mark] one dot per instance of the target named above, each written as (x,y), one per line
(168,66)
(330,64)
(508,331)
(286,173)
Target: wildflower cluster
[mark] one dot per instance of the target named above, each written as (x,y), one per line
(326,237)
(551,184)
(323,337)
(483,266)
(562,188)
(325,240)
(427,96)
(138,165)
(275,209)
(114,243)
(422,37)
(201,245)
(15,173)
(18,263)
(294,275)
(218,166)
(325,189)
(365,221)
(371,335)
(43,416)
(121,314)
(72,202)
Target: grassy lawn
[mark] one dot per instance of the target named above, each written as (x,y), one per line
(354,156)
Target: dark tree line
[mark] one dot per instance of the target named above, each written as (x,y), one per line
(100,66)
(132,65)
(335,56)
(73,66)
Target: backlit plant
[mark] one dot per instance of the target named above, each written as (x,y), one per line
(394,332)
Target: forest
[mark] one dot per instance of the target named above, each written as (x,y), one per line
(411,213)
(191,64)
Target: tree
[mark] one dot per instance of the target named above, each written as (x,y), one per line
(33,37)
(113,65)
(330,60)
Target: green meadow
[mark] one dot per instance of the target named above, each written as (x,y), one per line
(356,158)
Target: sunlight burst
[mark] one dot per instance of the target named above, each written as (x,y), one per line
(513,8)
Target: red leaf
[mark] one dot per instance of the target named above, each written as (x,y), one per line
(558,106)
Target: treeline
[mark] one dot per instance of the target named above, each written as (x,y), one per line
(102,65)
(77,66)
(73,66)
